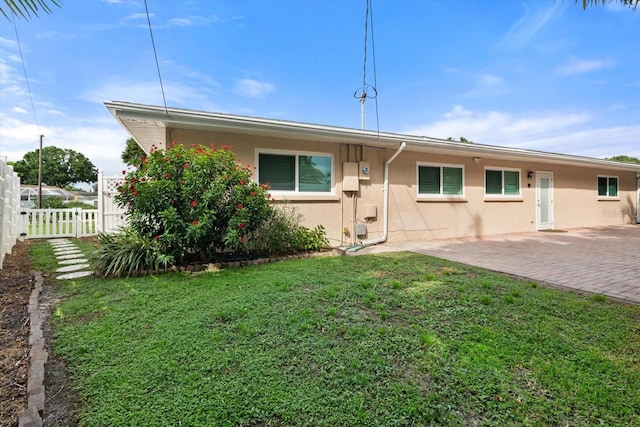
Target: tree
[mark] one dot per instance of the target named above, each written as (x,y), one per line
(625,159)
(132,154)
(60,167)
(633,4)
(462,139)
(25,8)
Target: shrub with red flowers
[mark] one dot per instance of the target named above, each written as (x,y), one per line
(194,201)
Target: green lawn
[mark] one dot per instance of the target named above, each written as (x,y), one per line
(377,340)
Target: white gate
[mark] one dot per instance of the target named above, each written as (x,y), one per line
(111,215)
(46,223)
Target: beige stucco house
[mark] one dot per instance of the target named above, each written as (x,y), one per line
(367,187)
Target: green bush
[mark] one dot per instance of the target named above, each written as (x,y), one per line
(194,202)
(282,233)
(52,203)
(126,252)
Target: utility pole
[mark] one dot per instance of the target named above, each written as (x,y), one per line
(40,174)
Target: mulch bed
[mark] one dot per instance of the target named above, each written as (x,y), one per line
(16,282)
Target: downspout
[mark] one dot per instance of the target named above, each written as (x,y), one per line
(385,212)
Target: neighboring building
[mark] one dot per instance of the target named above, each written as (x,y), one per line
(368,186)
(29,194)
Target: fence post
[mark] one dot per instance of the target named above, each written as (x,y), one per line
(100,218)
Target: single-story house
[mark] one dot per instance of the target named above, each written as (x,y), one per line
(367,187)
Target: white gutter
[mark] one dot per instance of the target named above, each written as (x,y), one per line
(385,213)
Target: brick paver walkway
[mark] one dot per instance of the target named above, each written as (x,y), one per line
(603,260)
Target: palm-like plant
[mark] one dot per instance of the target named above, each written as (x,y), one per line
(633,4)
(27,8)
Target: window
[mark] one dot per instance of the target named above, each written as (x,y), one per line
(502,182)
(607,186)
(299,172)
(440,180)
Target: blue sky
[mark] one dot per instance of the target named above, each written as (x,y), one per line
(542,75)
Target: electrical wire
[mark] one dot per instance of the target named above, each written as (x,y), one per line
(155,54)
(24,69)
(362,93)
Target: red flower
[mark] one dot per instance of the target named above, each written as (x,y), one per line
(156,237)
(143,179)
(241,239)
(167,175)
(194,203)
(253,194)
(124,172)
(240,225)
(165,159)
(242,182)
(239,205)
(136,194)
(186,165)
(195,222)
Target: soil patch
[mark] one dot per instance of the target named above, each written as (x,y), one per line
(16,283)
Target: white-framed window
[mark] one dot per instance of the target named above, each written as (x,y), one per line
(440,180)
(607,186)
(501,182)
(291,172)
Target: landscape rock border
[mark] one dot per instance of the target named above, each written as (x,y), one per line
(38,355)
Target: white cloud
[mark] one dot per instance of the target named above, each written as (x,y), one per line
(490,80)
(555,131)
(11,44)
(135,16)
(19,110)
(253,88)
(525,29)
(579,66)
(149,92)
(102,142)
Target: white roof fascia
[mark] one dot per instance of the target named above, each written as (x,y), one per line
(177,118)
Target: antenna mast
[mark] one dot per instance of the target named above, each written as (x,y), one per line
(361,93)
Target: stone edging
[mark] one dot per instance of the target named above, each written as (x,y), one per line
(215,266)
(38,355)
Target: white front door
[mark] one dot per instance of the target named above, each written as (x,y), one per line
(544,201)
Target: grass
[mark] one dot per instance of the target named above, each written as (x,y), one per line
(379,340)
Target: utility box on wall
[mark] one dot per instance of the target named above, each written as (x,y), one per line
(370,211)
(361,229)
(350,176)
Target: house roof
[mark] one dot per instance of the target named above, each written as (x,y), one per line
(148,125)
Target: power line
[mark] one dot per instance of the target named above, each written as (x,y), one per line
(155,54)
(24,69)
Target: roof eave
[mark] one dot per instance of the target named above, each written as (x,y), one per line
(161,118)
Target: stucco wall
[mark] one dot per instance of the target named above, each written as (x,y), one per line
(575,200)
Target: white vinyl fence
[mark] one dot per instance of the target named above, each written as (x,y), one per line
(111,215)
(9,206)
(49,223)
